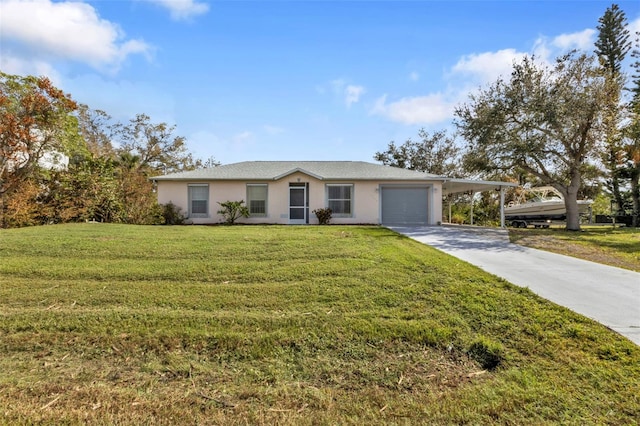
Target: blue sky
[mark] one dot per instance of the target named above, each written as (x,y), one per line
(288,80)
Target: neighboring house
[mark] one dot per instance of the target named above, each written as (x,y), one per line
(287,192)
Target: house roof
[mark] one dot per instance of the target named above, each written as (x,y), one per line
(323,170)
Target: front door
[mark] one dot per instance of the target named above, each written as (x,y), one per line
(298,204)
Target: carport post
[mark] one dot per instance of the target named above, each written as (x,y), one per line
(473,194)
(502,207)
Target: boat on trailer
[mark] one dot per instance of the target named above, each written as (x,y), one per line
(540,205)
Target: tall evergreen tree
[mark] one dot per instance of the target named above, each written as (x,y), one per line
(613,41)
(632,135)
(612,46)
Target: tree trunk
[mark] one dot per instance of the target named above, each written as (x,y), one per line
(571,203)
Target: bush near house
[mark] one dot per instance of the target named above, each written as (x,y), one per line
(172,214)
(323,215)
(232,211)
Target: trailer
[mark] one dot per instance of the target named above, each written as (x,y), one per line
(525,223)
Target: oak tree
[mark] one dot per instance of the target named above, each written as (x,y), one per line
(545,121)
(158,149)
(437,153)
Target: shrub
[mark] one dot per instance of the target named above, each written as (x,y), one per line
(232,211)
(323,215)
(172,214)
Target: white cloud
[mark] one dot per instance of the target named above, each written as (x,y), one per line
(543,51)
(547,49)
(582,40)
(18,66)
(183,9)
(428,109)
(414,76)
(488,66)
(64,30)
(349,93)
(352,94)
(470,72)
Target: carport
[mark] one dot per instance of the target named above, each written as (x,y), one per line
(461,186)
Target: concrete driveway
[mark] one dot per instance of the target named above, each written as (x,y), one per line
(603,293)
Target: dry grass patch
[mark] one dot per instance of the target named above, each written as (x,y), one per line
(619,247)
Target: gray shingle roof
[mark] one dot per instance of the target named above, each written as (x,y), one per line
(324,170)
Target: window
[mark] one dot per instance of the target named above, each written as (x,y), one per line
(340,200)
(257,200)
(199,200)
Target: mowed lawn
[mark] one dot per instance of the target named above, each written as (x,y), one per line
(619,247)
(116,324)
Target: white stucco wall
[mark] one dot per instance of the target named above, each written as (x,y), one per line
(366,199)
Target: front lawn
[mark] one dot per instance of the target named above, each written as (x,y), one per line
(116,324)
(618,247)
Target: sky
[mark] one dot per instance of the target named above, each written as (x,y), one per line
(288,80)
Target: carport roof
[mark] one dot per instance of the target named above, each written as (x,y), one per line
(457,186)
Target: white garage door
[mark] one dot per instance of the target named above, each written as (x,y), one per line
(405,205)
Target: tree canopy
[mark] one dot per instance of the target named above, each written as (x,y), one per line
(544,120)
(154,145)
(61,162)
(34,125)
(437,153)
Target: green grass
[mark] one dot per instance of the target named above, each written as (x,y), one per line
(618,247)
(115,324)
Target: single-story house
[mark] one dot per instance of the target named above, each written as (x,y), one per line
(287,192)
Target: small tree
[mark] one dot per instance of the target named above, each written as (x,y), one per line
(232,211)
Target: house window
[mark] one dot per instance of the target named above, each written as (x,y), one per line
(199,200)
(340,200)
(257,199)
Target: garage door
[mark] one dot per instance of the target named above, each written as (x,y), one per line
(405,205)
